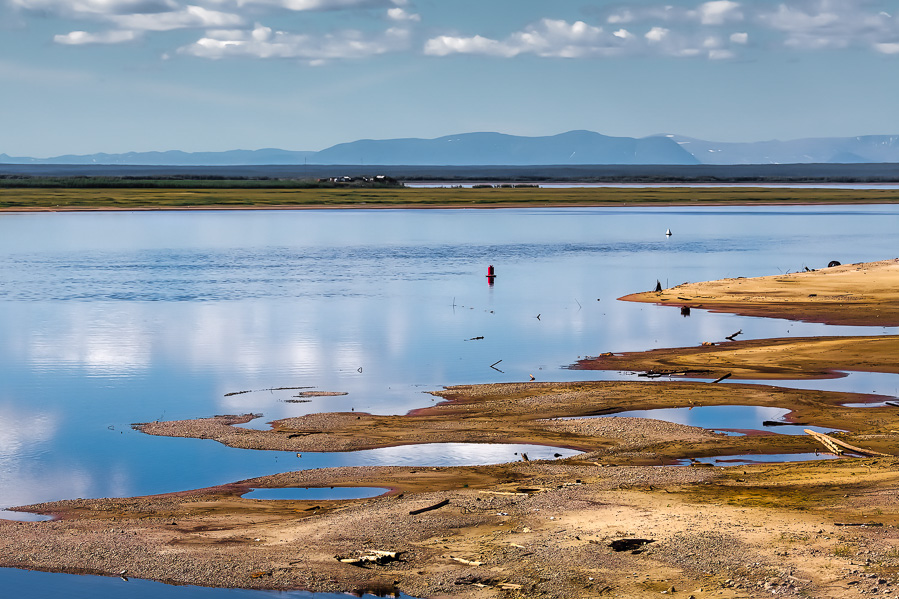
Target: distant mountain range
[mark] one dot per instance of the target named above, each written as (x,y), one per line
(481,149)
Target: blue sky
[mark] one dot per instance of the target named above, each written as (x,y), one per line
(84,76)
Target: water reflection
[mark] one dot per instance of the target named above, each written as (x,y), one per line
(748,459)
(728,419)
(136,464)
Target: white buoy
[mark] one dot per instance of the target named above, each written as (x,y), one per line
(668,233)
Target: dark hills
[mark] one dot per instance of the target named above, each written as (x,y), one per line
(496,149)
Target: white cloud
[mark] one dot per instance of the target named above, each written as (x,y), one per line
(561,39)
(716,12)
(77,38)
(694,31)
(318,5)
(621,17)
(263,42)
(398,14)
(445,44)
(719,12)
(831,24)
(720,54)
(657,34)
(549,39)
(96,7)
(189,17)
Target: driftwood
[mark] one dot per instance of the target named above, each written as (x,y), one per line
(652,373)
(429,508)
(731,337)
(371,556)
(722,377)
(893,403)
(835,445)
(467,562)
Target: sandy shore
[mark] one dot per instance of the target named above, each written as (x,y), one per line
(823,528)
(788,358)
(523,529)
(851,294)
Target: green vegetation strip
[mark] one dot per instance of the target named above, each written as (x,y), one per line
(200,198)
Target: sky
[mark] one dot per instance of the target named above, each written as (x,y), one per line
(86,76)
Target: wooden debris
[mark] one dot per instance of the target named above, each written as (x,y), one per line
(429,508)
(372,556)
(525,457)
(467,562)
(722,377)
(835,445)
(731,337)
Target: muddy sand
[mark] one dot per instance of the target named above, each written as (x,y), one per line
(609,522)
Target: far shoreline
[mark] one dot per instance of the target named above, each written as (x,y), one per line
(442,198)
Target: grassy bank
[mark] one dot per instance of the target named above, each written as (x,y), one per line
(199,198)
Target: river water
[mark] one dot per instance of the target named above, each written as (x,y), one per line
(112,318)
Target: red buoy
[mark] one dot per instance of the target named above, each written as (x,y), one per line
(490,273)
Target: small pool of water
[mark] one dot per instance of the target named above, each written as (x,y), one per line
(23,516)
(731,420)
(316,493)
(737,460)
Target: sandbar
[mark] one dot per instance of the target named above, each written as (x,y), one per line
(861,294)
(783,358)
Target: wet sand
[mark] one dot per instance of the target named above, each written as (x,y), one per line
(545,528)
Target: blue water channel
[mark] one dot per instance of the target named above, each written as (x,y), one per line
(107,319)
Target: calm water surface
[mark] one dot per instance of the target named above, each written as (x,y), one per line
(112,318)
